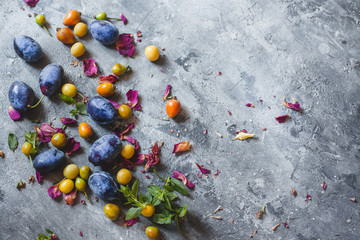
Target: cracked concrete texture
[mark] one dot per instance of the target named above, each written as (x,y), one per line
(265,50)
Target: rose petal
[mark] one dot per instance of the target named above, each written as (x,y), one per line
(54,191)
(229,113)
(243,136)
(285,225)
(70,198)
(45,132)
(295,105)
(180,176)
(202,169)
(14,115)
(249,105)
(125,163)
(115,104)
(90,67)
(123,18)
(81,233)
(132,97)
(167,92)
(324,186)
(130,222)
(39,177)
(65,120)
(138,33)
(282,118)
(121,134)
(181,147)
(138,39)
(308,197)
(108,78)
(152,159)
(71,146)
(124,44)
(155,149)
(31,3)
(205,131)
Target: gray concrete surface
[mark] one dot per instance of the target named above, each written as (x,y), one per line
(265,50)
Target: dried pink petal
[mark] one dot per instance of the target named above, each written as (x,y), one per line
(108,78)
(70,198)
(53,237)
(264,129)
(125,163)
(308,197)
(180,176)
(71,146)
(295,105)
(121,134)
(199,175)
(96,199)
(244,131)
(261,101)
(14,115)
(324,186)
(205,131)
(89,67)
(31,3)
(130,222)
(123,18)
(142,170)
(124,44)
(54,191)
(132,97)
(39,177)
(152,157)
(167,92)
(45,132)
(65,120)
(282,118)
(138,39)
(353,199)
(250,105)
(181,147)
(202,169)
(139,34)
(285,225)
(229,113)
(219,73)
(115,104)
(147,176)
(81,233)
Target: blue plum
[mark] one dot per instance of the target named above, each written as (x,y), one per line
(103,185)
(101,110)
(21,96)
(49,160)
(27,48)
(50,79)
(103,31)
(105,150)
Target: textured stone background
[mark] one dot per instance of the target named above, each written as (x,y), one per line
(266,50)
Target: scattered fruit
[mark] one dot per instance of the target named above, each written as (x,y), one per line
(103,31)
(26,148)
(118,69)
(78,49)
(27,48)
(80,184)
(101,110)
(49,160)
(41,21)
(173,107)
(71,171)
(123,176)
(65,35)
(85,130)
(152,233)
(59,140)
(80,29)
(127,151)
(85,172)
(51,79)
(66,186)
(105,150)
(103,185)
(72,18)
(21,96)
(125,111)
(101,16)
(69,90)
(152,53)
(112,211)
(106,89)
(148,210)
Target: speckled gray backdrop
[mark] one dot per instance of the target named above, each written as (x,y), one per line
(265,50)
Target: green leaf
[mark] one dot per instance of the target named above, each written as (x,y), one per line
(12,141)
(154,190)
(42,236)
(133,213)
(135,188)
(49,231)
(263,209)
(169,188)
(156,201)
(178,186)
(73,112)
(81,108)
(183,210)
(34,150)
(66,99)
(141,199)
(168,220)
(159,176)
(147,198)
(170,195)
(160,218)
(167,203)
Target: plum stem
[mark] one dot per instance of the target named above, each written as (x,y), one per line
(81,96)
(31,107)
(31,161)
(47,30)
(87,197)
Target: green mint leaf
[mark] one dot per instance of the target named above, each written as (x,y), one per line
(160,218)
(183,210)
(170,195)
(133,213)
(34,150)
(12,141)
(141,198)
(169,188)
(159,176)
(168,220)
(73,112)
(156,201)
(66,99)
(42,236)
(154,190)
(147,198)
(177,224)
(81,108)
(135,188)
(178,186)
(49,231)
(167,203)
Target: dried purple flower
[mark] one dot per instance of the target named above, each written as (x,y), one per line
(124,44)
(89,67)
(14,115)
(219,73)
(229,113)
(181,147)
(202,169)
(308,197)
(152,157)
(324,186)
(81,233)
(295,105)
(96,199)
(143,171)
(282,118)
(67,120)
(147,176)
(39,177)
(264,129)
(70,198)
(180,176)
(130,222)
(31,3)
(249,105)
(138,39)
(71,146)
(139,34)
(205,131)
(285,225)
(54,191)
(123,18)
(115,104)
(132,97)
(167,92)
